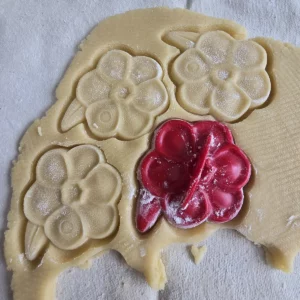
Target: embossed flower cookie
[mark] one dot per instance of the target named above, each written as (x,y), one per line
(164,131)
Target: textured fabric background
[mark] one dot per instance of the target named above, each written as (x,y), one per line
(37,41)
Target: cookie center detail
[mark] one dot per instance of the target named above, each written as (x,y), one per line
(71,192)
(223,74)
(122,92)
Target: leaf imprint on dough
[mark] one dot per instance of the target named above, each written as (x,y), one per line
(73,116)
(35,240)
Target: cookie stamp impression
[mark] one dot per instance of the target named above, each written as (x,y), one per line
(121,97)
(218,75)
(135,154)
(72,190)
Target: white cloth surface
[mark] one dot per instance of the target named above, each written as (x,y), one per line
(37,41)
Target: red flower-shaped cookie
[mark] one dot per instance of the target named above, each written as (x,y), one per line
(195,173)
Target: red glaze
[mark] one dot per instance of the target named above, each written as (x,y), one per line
(194,173)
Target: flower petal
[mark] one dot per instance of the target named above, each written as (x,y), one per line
(189,66)
(51,168)
(133,122)
(195,96)
(102,185)
(82,159)
(114,65)
(256,85)
(64,229)
(147,212)
(144,68)
(40,202)
(98,221)
(215,45)
(225,205)
(248,54)
(220,132)
(175,141)
(151,97)
(233,168)
(103,118)
(229,103)
(161,176)
(92,88)
(197,211)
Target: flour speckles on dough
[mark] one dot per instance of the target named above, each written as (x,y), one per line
(260,214)
(143,252)
(293,221)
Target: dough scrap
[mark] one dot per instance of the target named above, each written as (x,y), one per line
(198,253)
(270,136)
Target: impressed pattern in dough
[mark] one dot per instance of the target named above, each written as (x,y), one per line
(218,75)
(73,199)
(120,98)
(269,136)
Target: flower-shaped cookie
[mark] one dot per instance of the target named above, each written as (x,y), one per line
(74,196)
(221,76)
(120,98)
(194,173)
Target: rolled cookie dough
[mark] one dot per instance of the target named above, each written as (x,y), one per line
(35,248)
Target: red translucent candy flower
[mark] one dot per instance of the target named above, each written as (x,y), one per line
(194,173)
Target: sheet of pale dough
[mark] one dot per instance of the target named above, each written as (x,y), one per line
(34,53)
